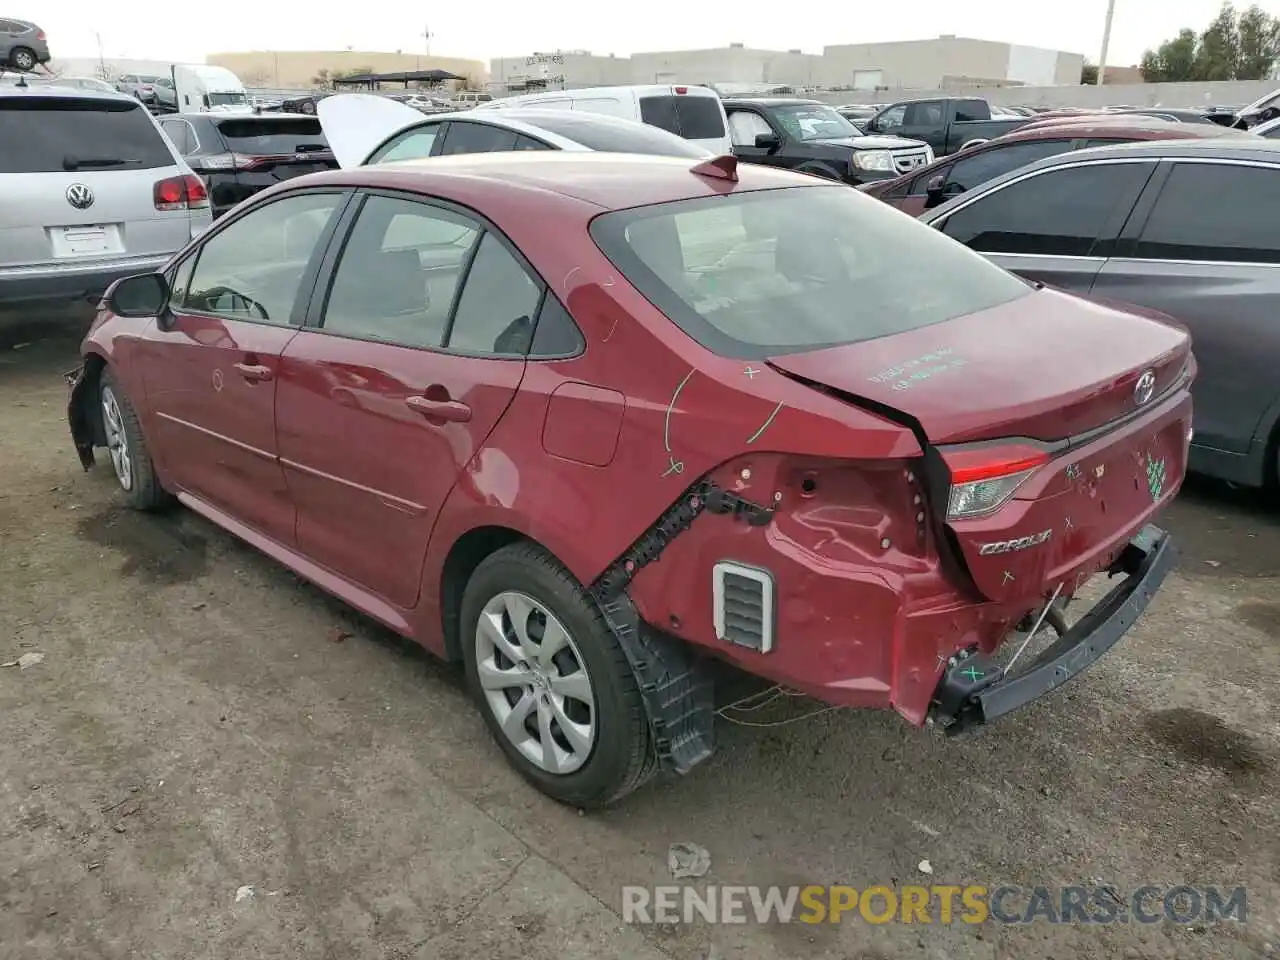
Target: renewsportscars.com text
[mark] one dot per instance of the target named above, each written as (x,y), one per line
(938,903)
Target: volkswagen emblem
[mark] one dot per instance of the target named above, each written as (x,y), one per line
(80,196)
(1145,387)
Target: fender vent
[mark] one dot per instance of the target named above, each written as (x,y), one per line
(743,605)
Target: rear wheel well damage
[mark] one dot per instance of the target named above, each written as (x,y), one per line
(466,554)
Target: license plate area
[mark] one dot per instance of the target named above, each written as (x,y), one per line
(86,240)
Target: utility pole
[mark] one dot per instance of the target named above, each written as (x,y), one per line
(426,37)
(102,61)
(1106,41)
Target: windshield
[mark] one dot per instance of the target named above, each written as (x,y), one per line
(766,272)
(225,99)
(813,121)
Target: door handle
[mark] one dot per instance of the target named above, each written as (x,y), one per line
(452,411)
(253,372)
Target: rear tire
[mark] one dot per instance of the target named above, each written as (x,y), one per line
(23,59)
(554,687)
(127,447)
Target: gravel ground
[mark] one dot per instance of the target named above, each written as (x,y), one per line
(204,722)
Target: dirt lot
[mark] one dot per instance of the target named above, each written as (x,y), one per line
(203,722)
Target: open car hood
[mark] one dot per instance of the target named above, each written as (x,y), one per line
(356,123)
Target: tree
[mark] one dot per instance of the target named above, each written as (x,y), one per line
(321,79)
(1259,44)
(1232,47)
(1089,73)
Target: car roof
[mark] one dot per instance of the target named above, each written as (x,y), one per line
(1090,126)
(70,93)
(1243,146)
(563,180)
(769,101)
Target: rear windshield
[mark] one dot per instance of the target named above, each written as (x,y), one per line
(271,137)
(779,271)
(614,137)
(696,118)
(47,134)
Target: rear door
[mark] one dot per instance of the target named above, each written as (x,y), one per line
(78,180)
(1207,252)
(926,120)
(693,113)
(1056,225)
(408,362)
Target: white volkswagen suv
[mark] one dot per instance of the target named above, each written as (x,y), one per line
(90,191)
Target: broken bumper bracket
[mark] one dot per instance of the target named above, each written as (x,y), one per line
(974,690)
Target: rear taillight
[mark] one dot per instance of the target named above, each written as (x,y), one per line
(984,478)
(180,193)
(238,161)
(39,34)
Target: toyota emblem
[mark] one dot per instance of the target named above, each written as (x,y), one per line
(80,196)
(1144,388)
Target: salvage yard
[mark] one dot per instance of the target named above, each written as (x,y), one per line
(205,757)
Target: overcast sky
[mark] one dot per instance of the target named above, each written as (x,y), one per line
(495,28)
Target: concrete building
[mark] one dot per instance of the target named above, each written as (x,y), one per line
(557,71)
(732,64)
(946,62)
(300,69)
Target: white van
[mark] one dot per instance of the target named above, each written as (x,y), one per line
(694,113)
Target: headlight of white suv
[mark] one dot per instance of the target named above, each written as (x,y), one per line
(878,160)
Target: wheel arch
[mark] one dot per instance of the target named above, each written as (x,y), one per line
(467,553)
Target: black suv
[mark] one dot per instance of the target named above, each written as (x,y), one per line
(812,137)
(240,154)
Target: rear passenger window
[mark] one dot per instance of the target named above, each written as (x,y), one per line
(463,137)
(1215,212)
(179,131)
(58,134)
(252,269)
(969,172)
(409,146)
(660,112)
(556,335)
(399,272)
(1059,212)
(498,304)
(528,143)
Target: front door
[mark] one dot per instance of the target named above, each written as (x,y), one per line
(413,358)
(214,363)
(1053,226)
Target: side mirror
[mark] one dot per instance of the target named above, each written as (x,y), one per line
(936,190)
(768,141)
(144,295)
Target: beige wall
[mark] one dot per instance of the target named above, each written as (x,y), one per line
(915,63)
(296,68)
(732,64)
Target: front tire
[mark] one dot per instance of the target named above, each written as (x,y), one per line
(553,685)
(127,447)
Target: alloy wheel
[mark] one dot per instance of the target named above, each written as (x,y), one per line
(536,683)
(117,438)
(24,60)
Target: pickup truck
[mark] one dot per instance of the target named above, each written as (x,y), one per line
(945,124)
(811,137)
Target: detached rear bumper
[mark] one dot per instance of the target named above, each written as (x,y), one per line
(974,690)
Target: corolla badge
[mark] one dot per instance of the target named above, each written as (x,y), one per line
(80,196)
(1012,546)
(1145,387)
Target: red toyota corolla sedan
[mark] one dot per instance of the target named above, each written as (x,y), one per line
(587,421)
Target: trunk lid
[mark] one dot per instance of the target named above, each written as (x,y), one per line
(1027,377)
(356,123)
(1047,366)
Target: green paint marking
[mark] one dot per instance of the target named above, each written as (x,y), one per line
(973,674)
(1155,476)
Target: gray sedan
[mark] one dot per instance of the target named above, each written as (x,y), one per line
(1185,227)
